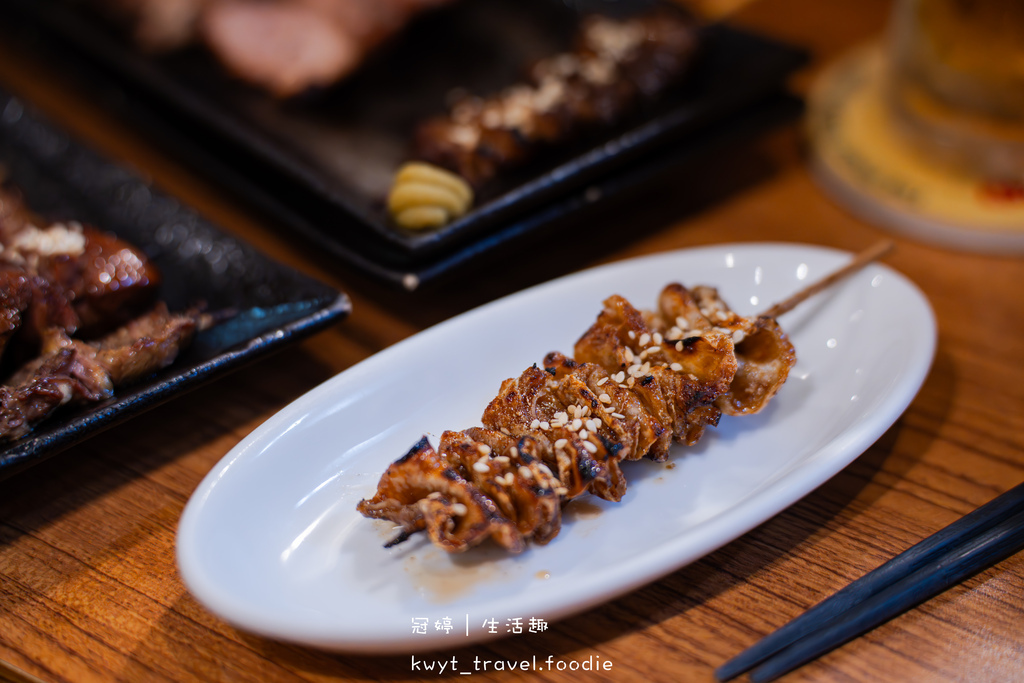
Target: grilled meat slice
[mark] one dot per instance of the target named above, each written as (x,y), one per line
(149,343)
(15,297)
(62,288)
(75,371)
(675,377)
(290,46)
(108,281)
(14,215)
(45,384)
(765,358)
(512,474)
(30,305)
(764,355)
(584,424)
(620,411)
(421,491)
(284,47)
(105,279)
(529,406)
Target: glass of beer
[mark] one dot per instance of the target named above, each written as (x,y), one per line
(956,85)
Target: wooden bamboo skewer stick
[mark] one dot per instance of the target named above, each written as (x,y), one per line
(862,259)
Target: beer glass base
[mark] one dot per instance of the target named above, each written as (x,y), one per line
(860,158)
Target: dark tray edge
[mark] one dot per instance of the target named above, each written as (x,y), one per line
(385,249)
(319,305)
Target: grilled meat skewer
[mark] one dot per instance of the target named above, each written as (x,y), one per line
(616,66)
(639,381)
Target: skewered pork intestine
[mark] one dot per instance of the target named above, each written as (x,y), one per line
(639,381)
(77,317)
(617,64)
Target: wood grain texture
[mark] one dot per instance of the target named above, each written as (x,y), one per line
(88,585)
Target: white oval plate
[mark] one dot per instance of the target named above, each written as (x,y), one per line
(271,541)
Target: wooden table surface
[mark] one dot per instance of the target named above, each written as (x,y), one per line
(89,590)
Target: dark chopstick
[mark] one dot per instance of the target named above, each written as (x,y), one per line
(990,533)
(990,547)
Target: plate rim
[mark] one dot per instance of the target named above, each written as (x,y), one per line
(762,506)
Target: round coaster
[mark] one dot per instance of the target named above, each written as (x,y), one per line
(862,161)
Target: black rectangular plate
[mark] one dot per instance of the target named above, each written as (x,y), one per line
(326,160)
(276,305)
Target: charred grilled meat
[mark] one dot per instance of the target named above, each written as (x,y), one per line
(616,66)
(77,317)
(639,381)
